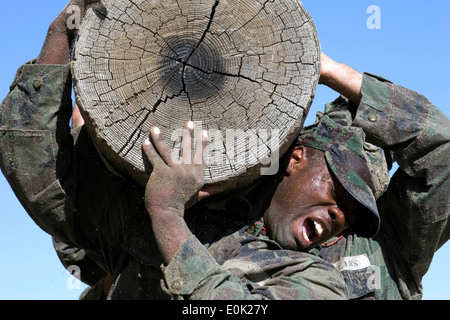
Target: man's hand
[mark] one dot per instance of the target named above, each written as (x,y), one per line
(174,184)
(172,187)
(341,78)
(58,45)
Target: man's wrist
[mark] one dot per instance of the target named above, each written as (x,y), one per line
(170,230)
(326,71)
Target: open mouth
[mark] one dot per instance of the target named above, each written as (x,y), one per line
(312,231)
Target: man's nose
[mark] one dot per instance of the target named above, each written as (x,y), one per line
(337,218)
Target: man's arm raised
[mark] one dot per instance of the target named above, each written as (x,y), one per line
(341,78)
(60,38)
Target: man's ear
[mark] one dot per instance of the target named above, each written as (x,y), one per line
(297,160)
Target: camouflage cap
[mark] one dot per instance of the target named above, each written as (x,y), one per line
(359,166)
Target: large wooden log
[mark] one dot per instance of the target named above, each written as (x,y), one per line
(245,70)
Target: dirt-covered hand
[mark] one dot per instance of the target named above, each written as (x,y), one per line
(174,184)
(62,33)
(70,17)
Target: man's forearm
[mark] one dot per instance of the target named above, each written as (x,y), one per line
(170,231)
(341,78)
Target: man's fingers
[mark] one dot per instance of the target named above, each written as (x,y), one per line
(156,150)
(209,191)
(204,193)
(202,143)
(188,156)
(160,146)
(187,143)
(159,149)
(152,155)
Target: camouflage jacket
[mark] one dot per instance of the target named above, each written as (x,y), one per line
(71,195)
(415,208)
(99,221)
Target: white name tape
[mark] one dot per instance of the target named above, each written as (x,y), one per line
(353,263)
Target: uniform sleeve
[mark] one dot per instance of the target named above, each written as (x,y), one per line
(270,274)
(415,208)
(90,272)
(64,187)
(31,156)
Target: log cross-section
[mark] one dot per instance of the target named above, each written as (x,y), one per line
(245,70)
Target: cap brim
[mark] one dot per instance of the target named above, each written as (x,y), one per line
(354,179)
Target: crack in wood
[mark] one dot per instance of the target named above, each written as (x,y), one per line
(208,27)
(246,64)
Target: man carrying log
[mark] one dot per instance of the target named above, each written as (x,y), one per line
(327,226)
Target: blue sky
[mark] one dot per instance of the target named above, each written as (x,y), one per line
(411,49)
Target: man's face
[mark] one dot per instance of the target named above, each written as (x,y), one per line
(309,205)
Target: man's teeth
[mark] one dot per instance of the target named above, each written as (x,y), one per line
(318,227)
(318,230)
(305,234)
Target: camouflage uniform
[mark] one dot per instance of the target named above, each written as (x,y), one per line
(243,263)
(412,211)
(415,208)
(410,220)
(69,192)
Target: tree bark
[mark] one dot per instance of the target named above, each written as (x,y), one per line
(245,70)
